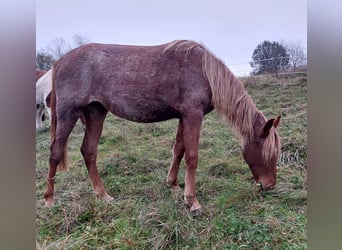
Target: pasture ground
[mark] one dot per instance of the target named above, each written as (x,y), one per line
(133,161)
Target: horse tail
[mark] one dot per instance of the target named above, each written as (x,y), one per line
(63,163)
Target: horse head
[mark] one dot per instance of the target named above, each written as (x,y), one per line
(262,153)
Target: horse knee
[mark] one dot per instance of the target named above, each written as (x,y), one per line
(84,151)
(55,157)
(191,160)
(56,152)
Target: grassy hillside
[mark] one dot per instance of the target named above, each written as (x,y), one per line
(133,161)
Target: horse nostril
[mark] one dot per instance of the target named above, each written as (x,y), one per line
(269,187)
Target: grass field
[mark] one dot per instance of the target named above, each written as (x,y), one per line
(133,161)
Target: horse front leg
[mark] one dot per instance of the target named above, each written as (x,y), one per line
(49,114)
(178,153)
(191,133)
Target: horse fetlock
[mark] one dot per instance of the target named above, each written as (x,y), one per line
(173,184)
(48,195)
(49,191)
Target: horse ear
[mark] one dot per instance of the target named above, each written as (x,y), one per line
(276,122)
(266,129)
(268,125)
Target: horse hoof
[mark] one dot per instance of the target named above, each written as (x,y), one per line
(175,188)
(195,207)
(49,203)
(197,212)
(108,198)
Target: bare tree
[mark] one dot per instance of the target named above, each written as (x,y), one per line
(58,46)
(297,53)
(79,40)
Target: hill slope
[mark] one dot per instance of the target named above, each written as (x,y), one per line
(133,162)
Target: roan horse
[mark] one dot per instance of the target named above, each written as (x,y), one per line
(182,80)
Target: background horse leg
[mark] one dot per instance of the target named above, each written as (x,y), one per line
(63,130)
(178,152)
(94,116)
(39,116)
(47,102)
(49,114)
(191,133)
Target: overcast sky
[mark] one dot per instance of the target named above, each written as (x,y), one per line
(230,29)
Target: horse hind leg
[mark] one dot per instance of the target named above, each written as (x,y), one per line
(93,117)
(178,153)
(57,152)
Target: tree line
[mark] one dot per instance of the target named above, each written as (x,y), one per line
(274,57)
(267,58)
(45,58)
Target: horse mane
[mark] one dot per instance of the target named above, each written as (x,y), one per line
(230,98)
(271,147)
(183,45)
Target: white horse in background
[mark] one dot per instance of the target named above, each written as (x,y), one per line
(43,89)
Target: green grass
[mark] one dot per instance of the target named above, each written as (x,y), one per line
(133,161)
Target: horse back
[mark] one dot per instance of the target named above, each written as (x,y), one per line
(139,83)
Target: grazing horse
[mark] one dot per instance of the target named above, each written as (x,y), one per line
(182,80)
(43,88)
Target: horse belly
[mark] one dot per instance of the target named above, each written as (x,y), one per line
(144,111)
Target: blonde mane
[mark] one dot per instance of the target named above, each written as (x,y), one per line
(271,147)
(230,98)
